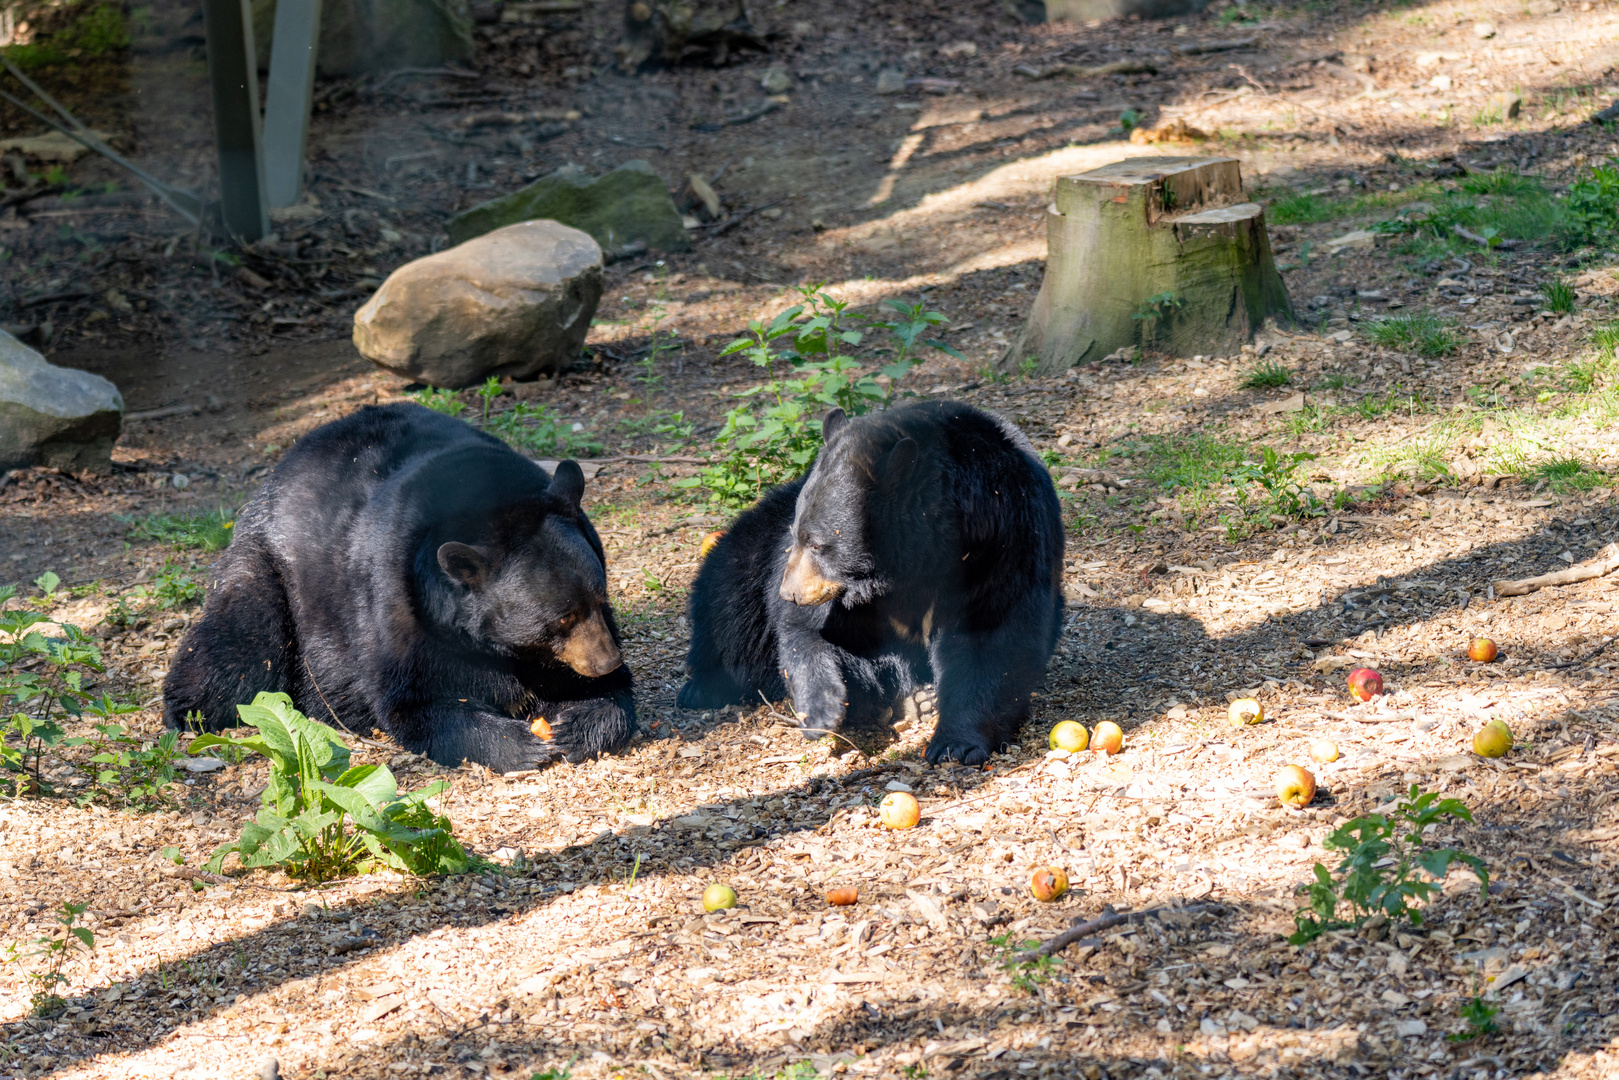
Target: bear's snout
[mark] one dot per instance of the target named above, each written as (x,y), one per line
(802,583)
(589,648)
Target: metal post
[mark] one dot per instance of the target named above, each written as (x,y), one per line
(233,71)
(287,95)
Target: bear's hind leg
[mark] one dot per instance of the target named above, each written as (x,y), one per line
(243,644)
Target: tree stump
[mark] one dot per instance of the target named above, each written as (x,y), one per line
(1157,252)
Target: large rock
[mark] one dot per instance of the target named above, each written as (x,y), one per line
(54,416)
(360,36)
(628,205)
(516,302)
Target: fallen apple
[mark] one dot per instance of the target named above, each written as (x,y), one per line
(1108,737)
(1482,649)
(540,728)
(842,896)
(1069,735)
(899,810)
(718,896)
(1245,710)
(708,543)
(1049,883)
(1323,750)
(1365,684)
(1295,786)
(1493,740)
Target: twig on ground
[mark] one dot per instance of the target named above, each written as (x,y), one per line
(1587,658)
(1605,563)
(1079,931)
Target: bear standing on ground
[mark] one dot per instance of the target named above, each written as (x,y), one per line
(924,545)
(403,571)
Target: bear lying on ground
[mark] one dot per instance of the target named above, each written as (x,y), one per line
(401,570)
(924,545)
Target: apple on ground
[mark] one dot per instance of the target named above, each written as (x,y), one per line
(1108,738)
(1246,710)
(1069,735)
(1295,786)
(1048,883)
(899,810)
(1323,750)
(1365,684)
(1493,740)
(1482,649)
(718,896)
(842,896)
(707,543)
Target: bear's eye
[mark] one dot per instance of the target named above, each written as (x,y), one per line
(567,622)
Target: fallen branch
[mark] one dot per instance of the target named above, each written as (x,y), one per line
(1199,48)
(1587,658)
(1079,931)
(1602,566)
(451,73)
(1080,71)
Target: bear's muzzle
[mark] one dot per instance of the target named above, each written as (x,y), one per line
(589,648)
(802,582)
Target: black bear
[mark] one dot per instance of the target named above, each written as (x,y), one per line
(402,570)
(924,545)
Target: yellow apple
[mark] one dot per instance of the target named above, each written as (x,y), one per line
(1070,735)
(1295,786)
(1323,750)
(899,810)
(1245,710)
(1108,737)
(708,543)
(1492,740)
(718,896)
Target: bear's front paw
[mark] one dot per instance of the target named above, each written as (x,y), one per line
(967,751)
(516,753)
(584,729)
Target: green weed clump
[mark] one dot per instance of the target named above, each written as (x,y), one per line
(809,359)
(1567,474)
(46,1001)
(321,818)
(1267,374)
(535,429)
(1386,869)
(1559,295)
(207,531)
(1421,332)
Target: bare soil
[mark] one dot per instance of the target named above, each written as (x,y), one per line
(588,945)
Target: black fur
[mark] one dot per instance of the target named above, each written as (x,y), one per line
(934,506)
(338,589)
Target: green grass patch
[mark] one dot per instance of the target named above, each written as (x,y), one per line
(1267,374)
(1421,332)
(1559,295)
(1567,474)
(209,531)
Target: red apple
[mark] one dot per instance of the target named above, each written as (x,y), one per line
(1482,649)
(1108,737)
(707,544)
(1365,684)
(1049,883)
(842,896)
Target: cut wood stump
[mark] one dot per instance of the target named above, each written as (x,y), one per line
(1156,252)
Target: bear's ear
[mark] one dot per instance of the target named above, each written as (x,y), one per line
(833,425)
(901,462)
(569,481)
(463,563)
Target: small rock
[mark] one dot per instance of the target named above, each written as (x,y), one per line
(516,302)
(897,785)
(890,81)
(269,1069)
(802,30)
(1483,30)
(1543,7)
(1359,238)
(1504,105)
(959,49)
(180,481)
(1440,82)
(776,80)
(1409,1028)
(54,416)
(1210,1026)
(201,764)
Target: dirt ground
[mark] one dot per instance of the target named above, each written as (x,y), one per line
(587,949)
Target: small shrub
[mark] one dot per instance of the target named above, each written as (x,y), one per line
(1027,975)
(1590,212)
(1378,873)
(1479,1016)
(1267,374)
(1421,332)
(45,1001)
(320,818)
(124,769)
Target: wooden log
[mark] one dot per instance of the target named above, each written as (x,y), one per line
(1158,252)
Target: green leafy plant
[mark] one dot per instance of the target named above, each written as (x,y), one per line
(1267,373)
(1421,332)
(447,402)
(807,356)
(46,1001)
(1275,474)
(1027,975)
(125,769)
(320,818)
(538,430)
(209,531)
(1129,119)
(1590,212)
(1378,875)
(1479,1016)
(173,586)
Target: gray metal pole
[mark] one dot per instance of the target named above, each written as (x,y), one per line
(233,72)
(287,96)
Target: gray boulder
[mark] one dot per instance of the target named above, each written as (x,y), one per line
(54,416)
(516,301)
(626,206)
